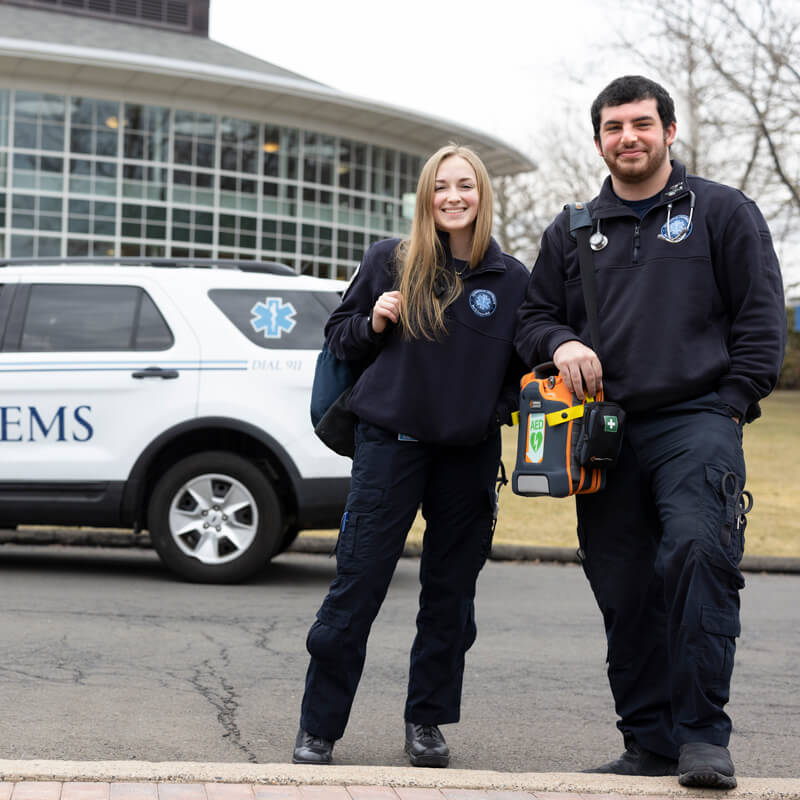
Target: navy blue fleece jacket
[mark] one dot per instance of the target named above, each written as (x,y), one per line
(452,391)
(677,319)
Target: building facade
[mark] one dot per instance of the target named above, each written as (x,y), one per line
(137,136)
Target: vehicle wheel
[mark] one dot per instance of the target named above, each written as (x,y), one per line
(214,518)
(290,534)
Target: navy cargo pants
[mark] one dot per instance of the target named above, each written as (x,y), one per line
(390,479)
(661,547)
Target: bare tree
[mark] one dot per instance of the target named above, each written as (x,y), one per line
(568,170)
(734,66)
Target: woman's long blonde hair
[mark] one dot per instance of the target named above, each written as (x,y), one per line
(427,287)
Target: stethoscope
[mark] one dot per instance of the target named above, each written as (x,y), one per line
(598,240)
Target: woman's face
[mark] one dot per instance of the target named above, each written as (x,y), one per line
(455,195)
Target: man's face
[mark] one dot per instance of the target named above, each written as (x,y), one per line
(633,142)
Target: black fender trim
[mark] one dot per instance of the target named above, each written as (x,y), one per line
(94,503)
(321,502)
(137,479)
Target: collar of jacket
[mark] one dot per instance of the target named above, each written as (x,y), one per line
(492,260)
(607,204)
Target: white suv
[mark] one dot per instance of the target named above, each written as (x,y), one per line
(169,397)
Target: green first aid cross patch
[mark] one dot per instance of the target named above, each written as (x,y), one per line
(610,424)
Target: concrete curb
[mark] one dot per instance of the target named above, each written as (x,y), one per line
(560,555)
(98,537)
(293,775)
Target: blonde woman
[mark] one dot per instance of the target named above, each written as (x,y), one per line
(435,313)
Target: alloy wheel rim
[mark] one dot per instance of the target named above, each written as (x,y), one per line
(213,518)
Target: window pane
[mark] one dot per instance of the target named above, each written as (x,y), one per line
(146,132)
(94,126)
(79,318)
(39,120)
(152,332)
(194,138)
(24,134)
(282,319)
(22,246)
(4,103)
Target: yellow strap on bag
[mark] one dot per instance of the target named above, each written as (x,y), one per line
(566,414)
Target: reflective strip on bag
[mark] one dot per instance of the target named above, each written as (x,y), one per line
(566,414)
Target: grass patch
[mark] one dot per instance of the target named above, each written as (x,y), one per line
(771,448)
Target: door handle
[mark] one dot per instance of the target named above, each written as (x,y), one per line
(155,372)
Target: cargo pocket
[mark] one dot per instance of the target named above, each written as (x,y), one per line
(360,503)
(488,536)
(725,518)
(721,627)
(470,628)
(580,554)
(326,638)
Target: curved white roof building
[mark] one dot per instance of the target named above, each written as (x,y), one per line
(144,137)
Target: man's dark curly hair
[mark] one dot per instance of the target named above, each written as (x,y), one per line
(629,89)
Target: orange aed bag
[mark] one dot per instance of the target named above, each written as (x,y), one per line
(564,446)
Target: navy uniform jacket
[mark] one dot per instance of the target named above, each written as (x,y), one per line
(451,391)
(677,320)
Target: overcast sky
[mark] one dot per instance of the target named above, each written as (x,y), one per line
(501,66)
(505,67)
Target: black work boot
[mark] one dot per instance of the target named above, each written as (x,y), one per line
(638,761)
(426,746)
(310,749)
(708,766)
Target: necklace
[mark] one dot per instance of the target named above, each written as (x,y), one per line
(463,270)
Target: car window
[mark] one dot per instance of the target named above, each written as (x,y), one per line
(277,319)
(70,317)
(6,293)
(152,332)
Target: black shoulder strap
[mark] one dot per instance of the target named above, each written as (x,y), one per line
(580,226)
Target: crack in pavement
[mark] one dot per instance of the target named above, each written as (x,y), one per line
(216,690)
(262,636)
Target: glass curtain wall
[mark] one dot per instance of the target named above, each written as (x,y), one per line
(81,176)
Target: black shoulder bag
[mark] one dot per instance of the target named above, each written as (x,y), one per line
(333,421)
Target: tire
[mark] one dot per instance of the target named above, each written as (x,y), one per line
(289,536)
(214,518)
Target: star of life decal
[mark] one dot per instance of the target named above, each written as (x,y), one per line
(273,317)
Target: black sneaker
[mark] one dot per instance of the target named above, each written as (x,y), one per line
(708,766)
(638,761)
(310,749)
(426,746)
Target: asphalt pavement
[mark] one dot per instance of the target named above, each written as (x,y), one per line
(35,779)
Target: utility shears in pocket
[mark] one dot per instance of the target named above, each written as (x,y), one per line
(738,502)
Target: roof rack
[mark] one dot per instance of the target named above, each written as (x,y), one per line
(269,267)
